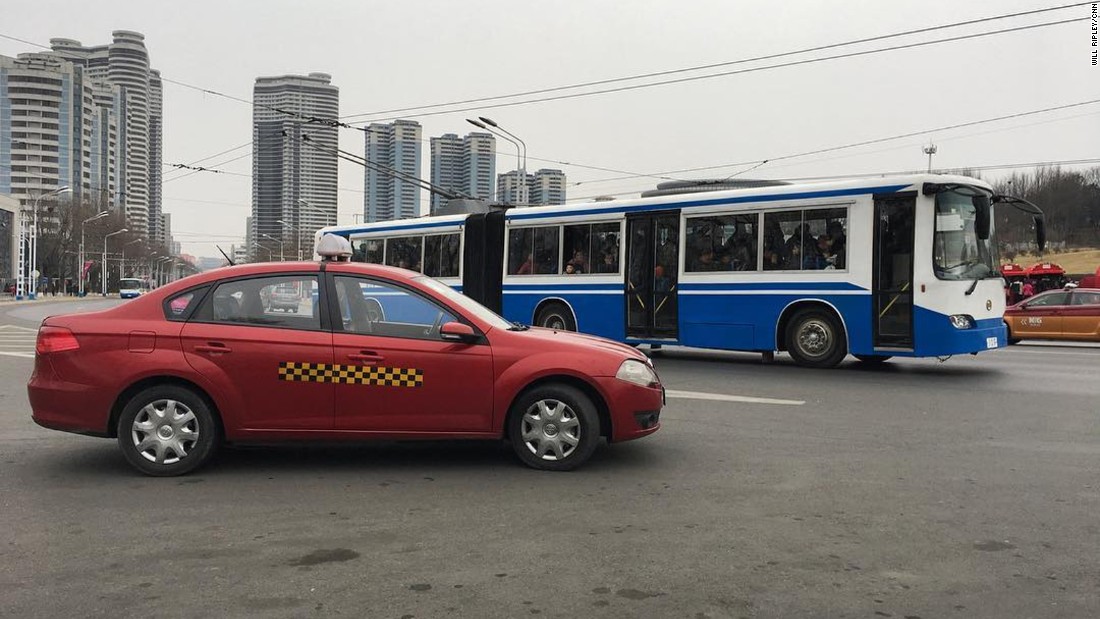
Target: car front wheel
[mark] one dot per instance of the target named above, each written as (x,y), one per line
(167,430)
(554,428)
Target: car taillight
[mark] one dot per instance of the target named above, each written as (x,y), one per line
(55,339)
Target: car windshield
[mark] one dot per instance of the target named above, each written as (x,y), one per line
(958,252)
(465,303)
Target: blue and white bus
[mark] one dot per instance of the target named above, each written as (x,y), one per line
(894,266)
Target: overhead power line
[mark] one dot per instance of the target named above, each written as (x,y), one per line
(716,65)
(853,144)
(696,78)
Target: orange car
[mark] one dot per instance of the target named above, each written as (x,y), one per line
(1071,314)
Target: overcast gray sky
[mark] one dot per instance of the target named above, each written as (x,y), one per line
(386,55)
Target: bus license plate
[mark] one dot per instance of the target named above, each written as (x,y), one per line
(990,342)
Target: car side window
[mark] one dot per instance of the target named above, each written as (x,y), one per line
(1054,298)
(181,306)
(1086,298)
(288,301)
(373,307)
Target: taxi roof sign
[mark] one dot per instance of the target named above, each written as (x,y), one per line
(333,248)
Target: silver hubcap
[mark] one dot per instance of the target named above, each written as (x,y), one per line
(164,431)
(815,338)
(555,322)
(551,430)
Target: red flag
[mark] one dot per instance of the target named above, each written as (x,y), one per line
(87,267)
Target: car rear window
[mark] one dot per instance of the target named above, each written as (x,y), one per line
(180,306)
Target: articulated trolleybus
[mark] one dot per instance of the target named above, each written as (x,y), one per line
(894,266)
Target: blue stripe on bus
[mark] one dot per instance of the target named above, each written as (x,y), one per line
(666,206)
(406,226)
(823,286)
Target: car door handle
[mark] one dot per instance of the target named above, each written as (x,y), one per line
(213,347)
(365,357)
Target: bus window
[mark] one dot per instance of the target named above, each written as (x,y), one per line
(721,243)
(404,252)
(546,250)
(825,247)
(441,255)
(591,248)
(368,251)
(521,258)
(533,251)
(781,246)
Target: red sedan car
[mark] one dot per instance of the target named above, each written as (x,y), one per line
(367,352)
(1069,314)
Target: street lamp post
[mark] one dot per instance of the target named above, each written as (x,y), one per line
(80,267)
(33,293)
(263,247)
(160,271)
(521,153)
(297,234)
(280,242)
(122,259)
(103,270)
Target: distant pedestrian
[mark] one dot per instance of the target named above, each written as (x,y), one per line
(1028,290)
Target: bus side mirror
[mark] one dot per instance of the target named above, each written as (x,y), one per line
(1040,233)
(982,210)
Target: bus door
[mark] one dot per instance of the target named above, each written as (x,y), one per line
(652,275)
(892,276)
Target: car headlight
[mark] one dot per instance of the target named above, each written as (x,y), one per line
(961,321)
(637,372)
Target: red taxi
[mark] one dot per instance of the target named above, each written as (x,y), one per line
(367,352)
(1069,314)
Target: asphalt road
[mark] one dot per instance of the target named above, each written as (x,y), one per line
(963,489)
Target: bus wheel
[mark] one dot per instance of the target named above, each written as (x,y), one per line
(556,316)
(873,359)
(815,339)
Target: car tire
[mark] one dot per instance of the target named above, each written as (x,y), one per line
(1012,341)
(167,430)
(556,316)
(554,427)
(816,339)
(873,360)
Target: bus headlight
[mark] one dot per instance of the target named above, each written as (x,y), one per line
(962,321)
(637,372)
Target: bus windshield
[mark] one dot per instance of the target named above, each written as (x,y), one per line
(128,283)
(958,253)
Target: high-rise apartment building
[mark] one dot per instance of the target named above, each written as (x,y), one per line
(393,146)
(53,132)
(547,186)
(123,68)
(294,159)
(544,187)
(465,165)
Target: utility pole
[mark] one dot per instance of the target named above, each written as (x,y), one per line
(930,150)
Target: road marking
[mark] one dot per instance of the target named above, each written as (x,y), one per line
(722,397)
(25,355)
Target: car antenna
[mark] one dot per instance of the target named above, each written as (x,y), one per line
(227,258)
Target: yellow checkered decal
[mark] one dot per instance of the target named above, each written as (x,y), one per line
(350,374)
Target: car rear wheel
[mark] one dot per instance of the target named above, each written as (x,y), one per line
(816,339)
(167,430)
(554,428)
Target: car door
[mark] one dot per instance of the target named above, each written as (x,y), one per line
(396,373)
(1041,316)
(273,364)
(1081,318)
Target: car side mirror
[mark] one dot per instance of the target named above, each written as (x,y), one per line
(1024,305)
(458,332)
